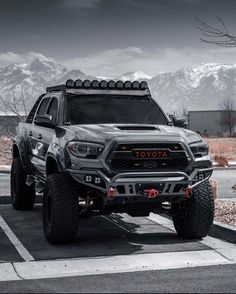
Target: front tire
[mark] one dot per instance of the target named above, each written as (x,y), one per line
(22,195)
(60,209)
(193,218)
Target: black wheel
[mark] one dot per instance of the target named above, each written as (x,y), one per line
(22,196)
(60,209)
(194,217)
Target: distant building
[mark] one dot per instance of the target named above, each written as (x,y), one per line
(209,122)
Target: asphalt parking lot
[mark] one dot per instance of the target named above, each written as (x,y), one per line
(115,253)
(114,247)
(98,236)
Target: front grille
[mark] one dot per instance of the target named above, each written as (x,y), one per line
(171,146)
(121,159)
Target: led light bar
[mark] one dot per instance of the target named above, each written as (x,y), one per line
(103,84)
(87,83)
(111,84)
(78,84)
(127,85)
(135,85)
(119,85)
(143,85)
(95,84)
(70,84)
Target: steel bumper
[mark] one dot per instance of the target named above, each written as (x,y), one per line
(171,183)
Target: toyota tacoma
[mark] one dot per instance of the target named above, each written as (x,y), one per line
(102,147)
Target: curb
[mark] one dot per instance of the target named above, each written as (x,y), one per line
(223,232)
(5,171)
(224,168)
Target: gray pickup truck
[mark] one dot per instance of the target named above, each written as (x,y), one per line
(99,147)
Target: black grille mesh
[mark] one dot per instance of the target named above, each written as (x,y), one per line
(121,159)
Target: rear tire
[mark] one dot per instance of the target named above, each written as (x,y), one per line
(60,209)
(193,218)
(22,195)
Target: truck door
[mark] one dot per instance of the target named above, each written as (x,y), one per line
(42,136)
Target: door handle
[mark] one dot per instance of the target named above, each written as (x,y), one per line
(39,136)
(30,133)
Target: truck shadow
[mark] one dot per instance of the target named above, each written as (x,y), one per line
(97,236)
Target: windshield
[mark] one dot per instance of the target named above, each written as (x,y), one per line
(112,110)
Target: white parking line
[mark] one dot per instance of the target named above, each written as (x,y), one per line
(226,249)
(219,253)
(24,253)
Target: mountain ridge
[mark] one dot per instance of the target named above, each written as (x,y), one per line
(198,87)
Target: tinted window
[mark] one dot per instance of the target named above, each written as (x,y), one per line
(53,108)
(43,106)
(112,109)
(34,108)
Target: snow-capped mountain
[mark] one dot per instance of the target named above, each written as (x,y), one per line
(132,76)
(197,87)
(200,87)
(26,81)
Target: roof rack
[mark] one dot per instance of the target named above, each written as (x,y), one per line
(107,86)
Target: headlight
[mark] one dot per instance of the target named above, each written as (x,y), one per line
(199,149)
(84,149)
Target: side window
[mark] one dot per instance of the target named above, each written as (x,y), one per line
(53,108)
(34,108)
(43,106)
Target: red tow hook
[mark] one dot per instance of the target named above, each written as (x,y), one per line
(152,193)
(188,192)
(111,193)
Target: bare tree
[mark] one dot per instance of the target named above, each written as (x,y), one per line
(228,118)
(12,111)
(217,35)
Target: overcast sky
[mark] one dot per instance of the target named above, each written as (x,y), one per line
(109,37)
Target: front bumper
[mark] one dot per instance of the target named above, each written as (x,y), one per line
(169,184)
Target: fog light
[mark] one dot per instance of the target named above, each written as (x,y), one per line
(97,180)
(195,179)
(88,179)
(201,176)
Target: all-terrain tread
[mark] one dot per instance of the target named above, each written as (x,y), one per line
(200,213)
(64,209)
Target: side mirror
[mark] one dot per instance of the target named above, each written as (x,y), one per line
(180,122)
(45,120)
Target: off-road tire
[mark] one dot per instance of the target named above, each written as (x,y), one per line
(194,217)
(22,195)
(60,209)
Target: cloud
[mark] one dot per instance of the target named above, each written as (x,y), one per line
(114,62)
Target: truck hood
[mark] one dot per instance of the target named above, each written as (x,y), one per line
(105,132)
